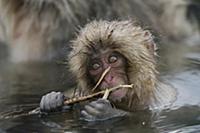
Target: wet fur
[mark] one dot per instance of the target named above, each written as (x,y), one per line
(137,46)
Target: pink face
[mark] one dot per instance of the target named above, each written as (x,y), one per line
(116,76)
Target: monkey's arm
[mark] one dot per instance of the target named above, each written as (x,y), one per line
(101,110)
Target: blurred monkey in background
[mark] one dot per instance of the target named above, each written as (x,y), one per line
(35,29)
(38,30)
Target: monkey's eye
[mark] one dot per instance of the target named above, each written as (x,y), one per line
(113,59)
(95,66)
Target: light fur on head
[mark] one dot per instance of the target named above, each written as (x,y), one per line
(129,40)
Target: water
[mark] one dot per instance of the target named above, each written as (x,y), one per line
(22,85)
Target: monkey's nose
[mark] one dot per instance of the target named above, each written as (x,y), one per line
(109,78)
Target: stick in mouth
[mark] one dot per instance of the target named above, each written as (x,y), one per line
(106,93)
(101,78)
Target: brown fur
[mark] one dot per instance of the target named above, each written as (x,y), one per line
(134,44)
(36,29)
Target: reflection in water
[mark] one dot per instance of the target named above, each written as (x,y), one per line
(22,85)
(179,119)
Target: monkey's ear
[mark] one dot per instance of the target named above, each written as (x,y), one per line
(150,44)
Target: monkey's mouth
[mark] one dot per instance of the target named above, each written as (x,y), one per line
(118,95)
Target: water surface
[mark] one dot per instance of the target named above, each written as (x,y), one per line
(22,86)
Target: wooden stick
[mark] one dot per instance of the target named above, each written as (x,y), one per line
(101,78)
(106,94)
(79,99)
(75,100)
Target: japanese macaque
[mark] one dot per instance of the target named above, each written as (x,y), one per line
(130,52)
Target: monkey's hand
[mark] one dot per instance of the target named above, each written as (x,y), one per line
(52,102)
(101,110)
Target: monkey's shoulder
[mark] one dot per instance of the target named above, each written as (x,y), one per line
(164,97)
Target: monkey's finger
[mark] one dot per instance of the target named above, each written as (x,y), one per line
(98,106)
(91,110)
(104,101)
(59,99)
(52,100)
(87,116)
(42,103)
(46,103)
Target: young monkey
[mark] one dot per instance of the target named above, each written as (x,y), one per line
(130,53)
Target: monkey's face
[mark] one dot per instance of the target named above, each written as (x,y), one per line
(117,75)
